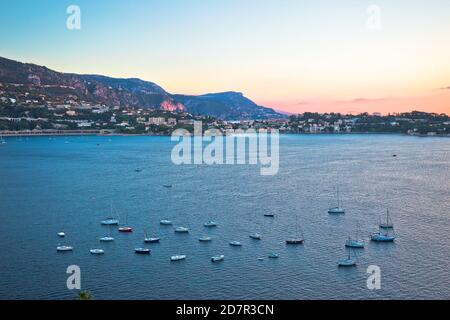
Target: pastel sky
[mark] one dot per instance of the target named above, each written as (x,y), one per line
(293,55)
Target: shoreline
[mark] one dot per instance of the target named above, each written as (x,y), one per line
(99,134)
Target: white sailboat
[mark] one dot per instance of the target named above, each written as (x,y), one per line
(2,141)
(338,209)
(110,221)
(383,235)
(388,224)
(298,239)
(355,243)
(108,238)
(347,262)
(148,239)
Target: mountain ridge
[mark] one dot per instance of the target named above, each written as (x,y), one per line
(49,86)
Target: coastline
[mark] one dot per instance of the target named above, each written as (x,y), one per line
(113,134)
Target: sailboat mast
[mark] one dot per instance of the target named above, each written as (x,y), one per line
(338,199)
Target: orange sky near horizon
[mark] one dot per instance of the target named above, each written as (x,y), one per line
(437,103)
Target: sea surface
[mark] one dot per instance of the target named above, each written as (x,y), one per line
(48,185)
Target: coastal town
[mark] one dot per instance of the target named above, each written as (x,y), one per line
(25,115)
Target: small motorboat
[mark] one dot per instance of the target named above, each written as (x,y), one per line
(97,251)
(181,230)
(106,239)
(64,248)
(210,224)
(205,239)
(260,259)
(218,258)
(295,241)
(125,229)
(348,262)
(110,222)
(165,222)
(273,255)
(269,215)
(336,210)
(255,236)
(178,257)
(151,240)
(61,234)
(167,186)
(142,251)
(352,243)
(138,170)
(235,244)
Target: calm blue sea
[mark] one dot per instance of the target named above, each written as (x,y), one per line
(48,186)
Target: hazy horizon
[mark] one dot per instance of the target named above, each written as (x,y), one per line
(293,56)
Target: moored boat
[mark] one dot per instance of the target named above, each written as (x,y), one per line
(380,237)
(64,248)
(178,257)
(355,243)
(142,251)
(295,241)
(106,239)
(255,236)
(338,209)
(97,251)
(205,239)
(388,224)
(165,222)
(151,240)
(110,222)
(383,235)
(181,230)
(218,258)
(347,262)
(210,224)
(352,243)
